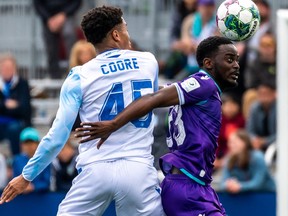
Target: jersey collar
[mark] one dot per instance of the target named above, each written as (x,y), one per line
(108,52)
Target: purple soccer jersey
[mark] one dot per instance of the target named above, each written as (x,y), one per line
(194,127)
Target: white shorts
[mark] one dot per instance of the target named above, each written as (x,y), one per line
(133,186)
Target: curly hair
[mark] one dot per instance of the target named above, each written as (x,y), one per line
(209,46)
(99,21)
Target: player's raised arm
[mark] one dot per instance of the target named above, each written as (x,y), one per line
(92,130)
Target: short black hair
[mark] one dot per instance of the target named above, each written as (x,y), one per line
(99,21)
(209,46)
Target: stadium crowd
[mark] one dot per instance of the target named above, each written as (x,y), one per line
(250,107)
(248,130)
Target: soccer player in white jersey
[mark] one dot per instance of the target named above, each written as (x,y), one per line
(99,90)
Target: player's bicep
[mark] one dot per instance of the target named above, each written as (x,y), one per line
(167,96)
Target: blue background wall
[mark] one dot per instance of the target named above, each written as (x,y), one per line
(248,204)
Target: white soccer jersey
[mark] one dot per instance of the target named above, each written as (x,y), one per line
(99,90)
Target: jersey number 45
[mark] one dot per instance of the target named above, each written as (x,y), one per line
(114,102)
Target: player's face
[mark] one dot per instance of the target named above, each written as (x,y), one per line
(226,66)
(124,35)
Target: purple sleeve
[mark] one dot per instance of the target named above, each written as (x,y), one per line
(195,89)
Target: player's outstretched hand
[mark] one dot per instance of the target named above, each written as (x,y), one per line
(94,130)
(15,187)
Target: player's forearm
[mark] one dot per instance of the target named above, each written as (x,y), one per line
(135,110)
(46,152)
(165,97)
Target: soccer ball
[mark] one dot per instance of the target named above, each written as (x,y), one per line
(238,20)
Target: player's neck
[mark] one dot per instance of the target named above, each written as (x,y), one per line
(99,51)
(103,47)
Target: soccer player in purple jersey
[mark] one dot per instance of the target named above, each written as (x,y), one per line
(194,124)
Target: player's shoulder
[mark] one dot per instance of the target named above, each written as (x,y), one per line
(206,79)
(75,70)
(200,80)
(140,54)
(74,74)
(202,75)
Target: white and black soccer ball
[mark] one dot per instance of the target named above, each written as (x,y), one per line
(238,20)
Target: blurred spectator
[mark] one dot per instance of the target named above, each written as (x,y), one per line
(264,67)
(81,52)
(248,98)
(232,120)
(261,122)
(248,50)
(182,9)
(15,107)
(262,71)
(177,59)
(245,169)
(59,28)
(3,171)
(265,26)
(29,139)
(201,25)
(63,167)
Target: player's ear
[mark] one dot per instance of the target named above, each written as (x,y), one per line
(208,63)
(115,35)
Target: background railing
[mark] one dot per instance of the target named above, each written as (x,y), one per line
(148,23)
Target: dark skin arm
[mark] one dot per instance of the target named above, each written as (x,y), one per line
(15,187)
(91,130)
